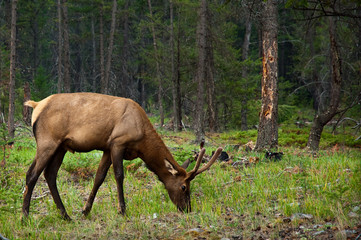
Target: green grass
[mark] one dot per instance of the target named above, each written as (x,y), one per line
(226,201)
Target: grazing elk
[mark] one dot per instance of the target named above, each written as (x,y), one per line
(81,122)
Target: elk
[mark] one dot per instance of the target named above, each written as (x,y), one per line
(82,122)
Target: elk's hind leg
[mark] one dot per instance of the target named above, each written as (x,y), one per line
(44,154)
(102,171)
(51,173)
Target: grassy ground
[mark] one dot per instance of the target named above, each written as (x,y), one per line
(301,196)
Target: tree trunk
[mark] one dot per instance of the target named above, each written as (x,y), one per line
(94,57)
(66,79)
(11,124)
(267,137)
(101,50)
(124,84)
(209,79)
(323,117)
(177,115)
(245,49)
(201,74)
(160,87)
(178,80)
(110,47)
(60,47)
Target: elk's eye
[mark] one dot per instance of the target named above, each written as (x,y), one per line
(183,187)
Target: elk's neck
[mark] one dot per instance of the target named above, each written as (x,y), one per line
(154,153)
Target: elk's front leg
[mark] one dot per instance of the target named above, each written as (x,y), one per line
(102,171)
(117,153)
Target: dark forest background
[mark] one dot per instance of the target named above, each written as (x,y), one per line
(149,51)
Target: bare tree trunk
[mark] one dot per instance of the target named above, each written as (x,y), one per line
(267,137)
(177,114)
(103,86)
(94,57)
(66,79)
(110,47)
(160,87)
(322,118)
(245,49)
(178,80)
(60,47)
(201,74)
(124,84)
(11,124)
(211,102)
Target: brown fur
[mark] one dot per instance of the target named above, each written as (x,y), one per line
(81,122)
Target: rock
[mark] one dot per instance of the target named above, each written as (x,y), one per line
(317,226)
(195,231)
(356,209)
(353,215)
(301,216)
(318,233)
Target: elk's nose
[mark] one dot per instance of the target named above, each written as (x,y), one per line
(185,209)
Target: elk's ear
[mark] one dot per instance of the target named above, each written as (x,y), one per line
(170,167)
(186,164)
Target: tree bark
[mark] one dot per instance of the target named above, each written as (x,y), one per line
(11,123)
(323,117)
(67,82)
(209,79)
(177,114)
(201,74)
(125,89)
(94,57)
(101,50)
(110,48)
(267,137)
(245,49)
(60,47)
(159,79)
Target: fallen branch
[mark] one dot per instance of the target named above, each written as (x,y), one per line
(41,196)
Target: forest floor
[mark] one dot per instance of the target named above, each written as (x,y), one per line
(247,196)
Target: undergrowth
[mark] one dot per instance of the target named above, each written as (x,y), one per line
(229,200)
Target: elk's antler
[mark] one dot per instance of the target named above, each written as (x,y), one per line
(192,174)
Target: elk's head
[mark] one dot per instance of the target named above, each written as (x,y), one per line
(178,184)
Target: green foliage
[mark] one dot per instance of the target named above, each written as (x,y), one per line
(286,113)
(224,198)
(42,85)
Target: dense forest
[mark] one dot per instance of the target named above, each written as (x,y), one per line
(198,64)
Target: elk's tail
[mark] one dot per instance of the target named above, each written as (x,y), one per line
(31,103)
